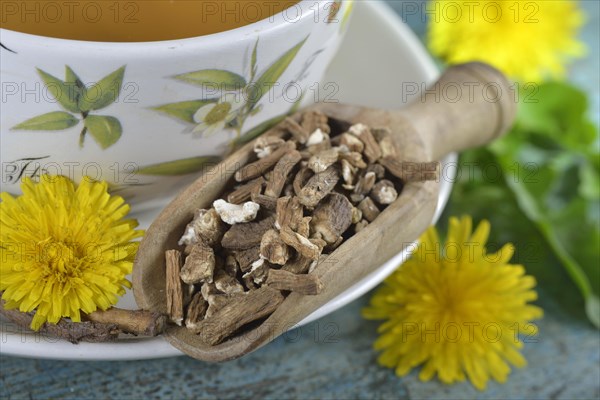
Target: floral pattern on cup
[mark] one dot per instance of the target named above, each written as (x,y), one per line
(214,117)
(240,96)
(77,99)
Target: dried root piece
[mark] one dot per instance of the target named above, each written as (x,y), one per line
(307,284)
(288,190)
(377,169)
(316,148)
(273,249)
(365,183)
(351,142)
(332,246)
(206,226)
(299,133)
(265,202)
(174,286)
(369,209)
(387,144)
(301,178)
(304,227)
(215,303)
(301,244)
(231,265)
(280,173)
(264,164)
(313,120)
(372,150)
(289,212)
(199,265)
(196,311)
(245,236)
(361,225)
(257,274)
(317,137)
(246,257)
(236,213)
(384,192)
(323,160)
(332,217)
(354,158)
(188,293)
(265,145)
(319,242)
(208,289)
(245,192)
(412,171)
(136,322)
(348,174)
(319,186)
(226,283)
(238,312)
(298,265)
(363,187)
(356,215)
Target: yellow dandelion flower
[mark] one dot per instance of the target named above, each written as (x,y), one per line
(527,40)
(65,250)
(456,310)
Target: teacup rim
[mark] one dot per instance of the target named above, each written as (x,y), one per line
(259,27)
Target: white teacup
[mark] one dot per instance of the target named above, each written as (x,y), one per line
(149,116)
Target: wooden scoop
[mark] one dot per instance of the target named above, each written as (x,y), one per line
(469,106)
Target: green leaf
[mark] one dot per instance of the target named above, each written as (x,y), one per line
(54,121)
(66,94)
(184,110)
(590,182)
(551,167)
(75,82)
(268,79)
(105,130)
(556,110)
(71,77)
(103,93)
(214,78)
(179,167)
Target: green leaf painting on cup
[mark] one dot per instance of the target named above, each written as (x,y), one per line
(184,110)
(52,121)
(208,78)
(237,97)
(79,101)
(105,130)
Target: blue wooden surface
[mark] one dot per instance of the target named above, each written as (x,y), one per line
(332,358)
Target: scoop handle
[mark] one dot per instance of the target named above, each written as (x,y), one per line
(469,106)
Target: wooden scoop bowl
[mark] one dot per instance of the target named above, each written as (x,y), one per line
(468,107)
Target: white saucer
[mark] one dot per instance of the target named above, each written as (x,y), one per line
(379,53)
